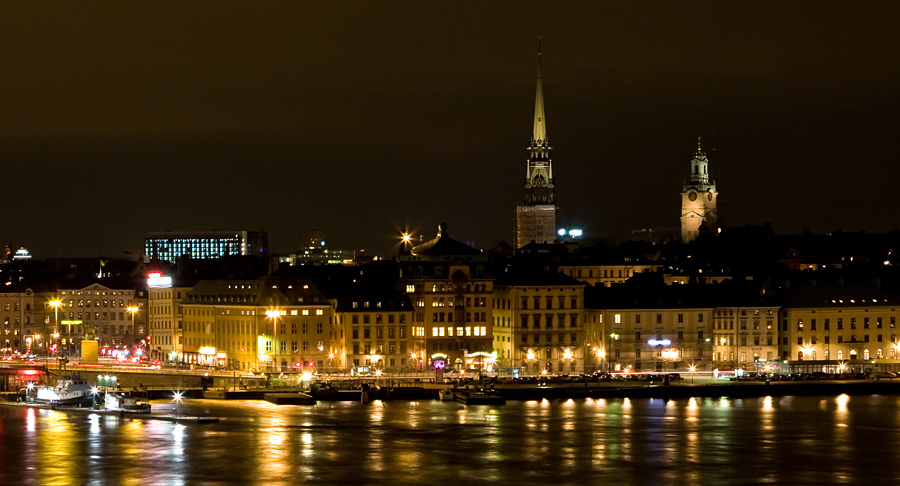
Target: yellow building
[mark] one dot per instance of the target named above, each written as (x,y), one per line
(271,323)
(451,293)
(745,337)
(166,318)
(829,325)
(539,324)
(379,334)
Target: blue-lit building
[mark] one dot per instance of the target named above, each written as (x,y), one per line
(201,245)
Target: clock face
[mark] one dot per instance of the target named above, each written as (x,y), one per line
(709,196)
(692,196)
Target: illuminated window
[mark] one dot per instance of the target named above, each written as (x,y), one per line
(617,318)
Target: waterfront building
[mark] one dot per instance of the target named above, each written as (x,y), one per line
(827,325)
(745,336)
(539,323)
(536,216)
(698,199)
(271,323)
(116,316)
(201,245)
(378,330)
(19,331)
(666,328)
(449,286)
(166,318)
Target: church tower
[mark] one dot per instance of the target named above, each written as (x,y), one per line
(698,199)
(536,216)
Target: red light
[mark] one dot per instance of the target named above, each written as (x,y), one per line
(29,372)
(298,364)
(154,275)
(312,363)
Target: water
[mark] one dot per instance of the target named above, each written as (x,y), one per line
(797,440)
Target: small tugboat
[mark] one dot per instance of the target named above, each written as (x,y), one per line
(121,402)
(72,392)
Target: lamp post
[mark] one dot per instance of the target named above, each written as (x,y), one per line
(55,304)
(612,337)
(693,368)
(530,358)
(567,357)
(273,314)
(133,309)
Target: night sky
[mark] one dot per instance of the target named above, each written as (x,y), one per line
(363,119)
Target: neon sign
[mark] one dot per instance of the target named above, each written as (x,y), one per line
(659,342)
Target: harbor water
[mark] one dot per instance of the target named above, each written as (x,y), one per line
(768,440)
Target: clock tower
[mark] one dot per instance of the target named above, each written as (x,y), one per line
(536,216)
(698,199)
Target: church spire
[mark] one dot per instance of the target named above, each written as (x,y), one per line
(539,135)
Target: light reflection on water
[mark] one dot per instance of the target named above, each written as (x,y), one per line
(811,440)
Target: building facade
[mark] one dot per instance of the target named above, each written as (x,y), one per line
(378,334)
(116,317)
(698,199)
(270,324)
(539,325)
(19,332)
(166,321)
(745,337)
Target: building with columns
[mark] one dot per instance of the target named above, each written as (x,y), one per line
(698,199)
(536,216)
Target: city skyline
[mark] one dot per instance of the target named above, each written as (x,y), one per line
(369,121)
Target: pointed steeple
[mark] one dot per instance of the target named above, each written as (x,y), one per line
(539,135)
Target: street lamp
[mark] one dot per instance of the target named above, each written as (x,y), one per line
(530,358)
(693,369)
(177,398)
(55,304)
(274,314)
(612,337)
(133,310)
(567,357)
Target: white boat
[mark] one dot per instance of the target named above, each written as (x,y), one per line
(120,402)
(445,394)
(72,391)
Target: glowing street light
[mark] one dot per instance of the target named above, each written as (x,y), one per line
(177,397)
(693,369)
(55,304)
(133,309)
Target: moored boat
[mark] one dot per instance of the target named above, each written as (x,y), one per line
(121,402)
(72,391)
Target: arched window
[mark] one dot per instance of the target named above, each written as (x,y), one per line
(865,354)
(852,354)
(878,353)
(800,355)
(813,355)
(840,354)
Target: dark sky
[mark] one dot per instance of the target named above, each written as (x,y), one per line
(366,118)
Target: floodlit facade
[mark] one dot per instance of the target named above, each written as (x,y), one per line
(98,312)
(270,323)
(745,337)
(379,334)
(166,321)
(539,325)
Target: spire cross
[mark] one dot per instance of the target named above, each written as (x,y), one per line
(698,144)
